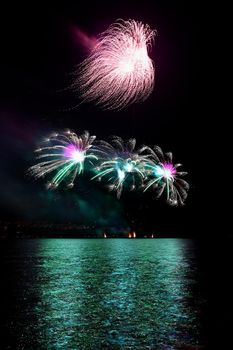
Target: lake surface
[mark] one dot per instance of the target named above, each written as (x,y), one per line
(97,294)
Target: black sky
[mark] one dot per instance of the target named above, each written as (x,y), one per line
(39,53)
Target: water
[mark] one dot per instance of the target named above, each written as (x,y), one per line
(101,294)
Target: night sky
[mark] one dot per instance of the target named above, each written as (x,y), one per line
(39,51)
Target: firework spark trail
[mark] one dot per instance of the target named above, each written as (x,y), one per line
(121,163)
(163,175)
(118,72)
(118,162)
(65,155)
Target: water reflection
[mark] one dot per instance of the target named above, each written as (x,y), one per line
(116,294)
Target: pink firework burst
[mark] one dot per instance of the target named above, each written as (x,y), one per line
(164,176)
(118,72)
(166,170)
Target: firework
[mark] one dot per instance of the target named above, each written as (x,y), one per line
(164,176)
(118,72)
(121,164)
(64,155)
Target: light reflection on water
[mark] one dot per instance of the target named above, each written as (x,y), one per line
(110,294)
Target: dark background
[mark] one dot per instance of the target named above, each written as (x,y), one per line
(40,49)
